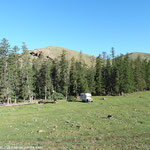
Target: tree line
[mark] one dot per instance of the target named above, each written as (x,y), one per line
(26,78)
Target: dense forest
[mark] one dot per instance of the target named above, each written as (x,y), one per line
(22,77)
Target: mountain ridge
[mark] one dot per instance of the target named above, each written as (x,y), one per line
(142,55)
(54,52)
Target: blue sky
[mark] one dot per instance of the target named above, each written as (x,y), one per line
(90,26)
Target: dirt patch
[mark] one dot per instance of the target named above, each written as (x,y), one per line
(20,104)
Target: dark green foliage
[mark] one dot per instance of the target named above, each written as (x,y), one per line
(82,84)
(148,75)
(118,75)
(139,75)
(122,73)
(91,80)
(73,99)
(63,74)
(24,78)
(56,75)
(56,96)
(108,77)
(98,76)
(14,74)
(45,86)
(5,84)
(128,78)
(27,76)
(115,81)
(73,78)
(37,63)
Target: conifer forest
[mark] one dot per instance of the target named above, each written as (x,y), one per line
(24,78)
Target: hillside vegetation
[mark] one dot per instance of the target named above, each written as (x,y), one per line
(23,78)
(134,56)
(77,125)
(54,52)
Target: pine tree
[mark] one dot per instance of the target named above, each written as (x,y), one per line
(37,64)
(108,79)
(46,80)
(63,74)
(27,76)
(13,71)
(148,75)
(5,86)
(113,55)
(73,78)
(91,76)
(117,75)
(120,73)
(98,76)
(82,84)
(24,47)
(91,80)
(138,77)
(144,73)
(56,75)
(128,79)
(104,74)
(131,70)
(116,81)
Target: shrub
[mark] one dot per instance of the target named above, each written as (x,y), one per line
(72,99)
(56,96)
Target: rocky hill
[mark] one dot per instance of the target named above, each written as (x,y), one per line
(135,55)
(54,52)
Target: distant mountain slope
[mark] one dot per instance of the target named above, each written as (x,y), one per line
(55,52)
(135,55)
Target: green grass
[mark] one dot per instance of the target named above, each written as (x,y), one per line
(76,125)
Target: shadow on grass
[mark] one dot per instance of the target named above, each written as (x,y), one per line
(46,102)
(79,101)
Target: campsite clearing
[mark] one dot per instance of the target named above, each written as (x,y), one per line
(77,125)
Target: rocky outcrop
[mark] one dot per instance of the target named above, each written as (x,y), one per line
(38,54)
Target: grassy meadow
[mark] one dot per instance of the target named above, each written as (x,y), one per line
(77,125)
